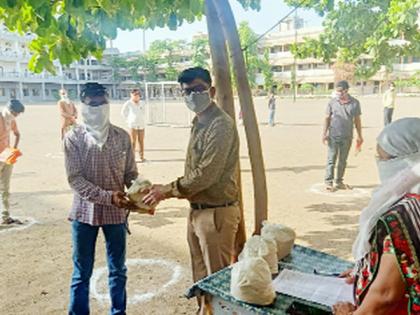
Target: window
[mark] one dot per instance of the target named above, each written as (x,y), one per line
(276,69)
(25,92)
(35,92)
(287,68)
(2,92)
(304,67)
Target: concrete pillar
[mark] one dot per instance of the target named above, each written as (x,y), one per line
(146,101)
(77,72)
(114,90)
(43,91)
(20,90)
(163,102)
(86,72)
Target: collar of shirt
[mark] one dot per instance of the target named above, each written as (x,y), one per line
(209,115)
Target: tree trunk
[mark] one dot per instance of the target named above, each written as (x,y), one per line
(228,23)
(224,95)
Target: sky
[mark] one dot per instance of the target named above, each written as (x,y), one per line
(260,21)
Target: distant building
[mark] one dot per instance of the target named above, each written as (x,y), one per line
(16,81)
(314,71)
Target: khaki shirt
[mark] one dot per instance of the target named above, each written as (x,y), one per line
(210,175)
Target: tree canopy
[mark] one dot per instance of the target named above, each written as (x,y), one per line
(68,30)
(382,29)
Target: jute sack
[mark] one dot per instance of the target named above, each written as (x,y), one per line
(257,246)
(136,192)
(282,235)
(251,281)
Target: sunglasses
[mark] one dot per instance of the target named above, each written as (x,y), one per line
(196,89)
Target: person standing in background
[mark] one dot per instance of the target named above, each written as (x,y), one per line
(68,112)
(134,113)
(272,110)
(389,103)
(7,125)
(343,112)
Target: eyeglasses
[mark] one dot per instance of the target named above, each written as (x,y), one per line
(197,88)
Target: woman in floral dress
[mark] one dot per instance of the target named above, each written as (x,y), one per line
(387,249)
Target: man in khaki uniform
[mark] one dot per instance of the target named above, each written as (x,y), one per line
(209,181)
(68,112)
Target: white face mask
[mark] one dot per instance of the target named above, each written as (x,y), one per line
(390,168)
(198,101)
(96,120)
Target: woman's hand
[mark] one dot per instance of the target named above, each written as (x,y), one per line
(343,308)
(349,275)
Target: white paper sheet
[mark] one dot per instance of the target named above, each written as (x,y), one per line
(320,289)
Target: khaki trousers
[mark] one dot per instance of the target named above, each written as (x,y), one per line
(211,238)
(5,174)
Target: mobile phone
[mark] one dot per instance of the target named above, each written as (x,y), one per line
(298,308)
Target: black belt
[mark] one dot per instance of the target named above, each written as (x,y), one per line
(202,206)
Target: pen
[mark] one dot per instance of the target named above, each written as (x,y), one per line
(325,274)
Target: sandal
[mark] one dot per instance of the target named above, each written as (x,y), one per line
(330,188)
(343,186)
(10,220)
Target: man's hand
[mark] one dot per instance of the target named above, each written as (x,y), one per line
(325,139)
(359,141)
(154,195)
(120,200)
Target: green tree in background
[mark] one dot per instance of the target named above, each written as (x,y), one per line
(248,37)
(382,29)
(200,50)
(168,52)
(267,72)
(72,30)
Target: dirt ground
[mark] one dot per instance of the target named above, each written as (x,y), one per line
(35,263)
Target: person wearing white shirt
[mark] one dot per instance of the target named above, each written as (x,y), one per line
(133,112)
(389,103)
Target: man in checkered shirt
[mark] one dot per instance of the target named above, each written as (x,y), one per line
(99,163)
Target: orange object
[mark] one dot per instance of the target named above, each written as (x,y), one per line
(12,158)
(358,148)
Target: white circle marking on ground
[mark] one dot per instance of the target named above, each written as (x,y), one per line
(319,188)
(137,298)
(59,155)
(27,222)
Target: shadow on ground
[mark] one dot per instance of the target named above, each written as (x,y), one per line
(343,218)
(294,169)
(163,216)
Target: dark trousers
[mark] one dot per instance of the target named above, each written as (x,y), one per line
(337,148)
(84,241)
(388,115)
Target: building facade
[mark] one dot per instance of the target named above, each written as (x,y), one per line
(16,81)
(314,71)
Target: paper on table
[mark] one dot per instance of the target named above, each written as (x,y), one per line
(320,289)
